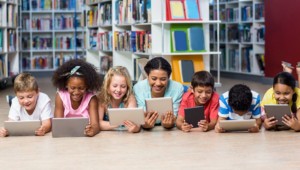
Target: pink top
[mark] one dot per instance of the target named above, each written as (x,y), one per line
(81,111)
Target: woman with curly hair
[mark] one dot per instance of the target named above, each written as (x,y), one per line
(77,81)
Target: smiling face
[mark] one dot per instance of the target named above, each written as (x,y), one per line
(283,93)
(118,87)
(28,100)
(158,81)
(77,88)
(202,94)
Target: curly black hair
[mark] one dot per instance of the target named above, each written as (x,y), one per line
(240,97)
(86,70)
(158,63)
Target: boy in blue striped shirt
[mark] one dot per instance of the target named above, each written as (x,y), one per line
(239,103)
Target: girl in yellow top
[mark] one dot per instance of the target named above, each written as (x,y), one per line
(284,91)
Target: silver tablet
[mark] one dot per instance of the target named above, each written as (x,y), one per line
(117,116)
(161,105)
(69,127)
(278,111)
(22,128)
(236,125)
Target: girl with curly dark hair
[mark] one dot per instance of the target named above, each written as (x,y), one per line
(77,82)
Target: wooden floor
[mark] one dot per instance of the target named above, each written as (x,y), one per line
(156,149)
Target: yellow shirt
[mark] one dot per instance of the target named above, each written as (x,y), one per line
(269,98)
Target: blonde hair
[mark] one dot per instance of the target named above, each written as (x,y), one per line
(25,82)
(104,96)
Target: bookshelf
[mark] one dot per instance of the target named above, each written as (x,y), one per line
(9,57)
(141,30)
(242,36)
(52,32)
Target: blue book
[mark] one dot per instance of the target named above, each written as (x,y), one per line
(196,38)
(187,70)
(191,9)
(179,41)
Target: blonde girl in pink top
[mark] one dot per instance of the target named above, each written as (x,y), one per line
(76,81)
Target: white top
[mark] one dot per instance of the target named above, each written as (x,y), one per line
(41,112)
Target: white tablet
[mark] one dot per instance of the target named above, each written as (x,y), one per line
(236,125)
(117,116)
(69,127)
(22,128)
(278,111)
(161,105)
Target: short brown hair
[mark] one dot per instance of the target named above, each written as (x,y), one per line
(25,82)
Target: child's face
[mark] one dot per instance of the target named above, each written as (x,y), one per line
(202,94)
(28,100)
(118,87)
(158,81)
(77,88)
(283,93)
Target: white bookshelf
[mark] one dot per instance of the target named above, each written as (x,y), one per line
(9,56)
(46,43)
(160,29)
(98,26)
(228,47)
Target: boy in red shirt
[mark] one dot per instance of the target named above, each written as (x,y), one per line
(201,93)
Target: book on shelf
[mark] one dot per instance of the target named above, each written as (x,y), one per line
(196,38)
(187,38)
(247,59)
(139,72)
(185,66)
(183,10)
(141,11)
(260,62)
(192,9)
(2,66)
(179,40)
(259,11)
(106,62)
(1,40)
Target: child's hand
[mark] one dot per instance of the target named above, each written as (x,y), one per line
(168,120)
(40,132)
(186,127)
(150,119)
(131,127)
(291,122)
(3,132)
(218,129)
(270,122)
(89,131)
(254,129)
(203,125)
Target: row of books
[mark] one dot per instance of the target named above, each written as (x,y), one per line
(100,15)
(183,10)
(11,15)
(187,38)
(68,42)
(46,61)
(260,33)
(246,12)
(132,11)
(259,11)
(133,41)
(50,4)
(228,14)
(12,40)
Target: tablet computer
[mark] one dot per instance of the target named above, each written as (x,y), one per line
(194,115)
(117,116)
(161,104)
(278,111)
(236,125)
(69,127)
(22,128)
